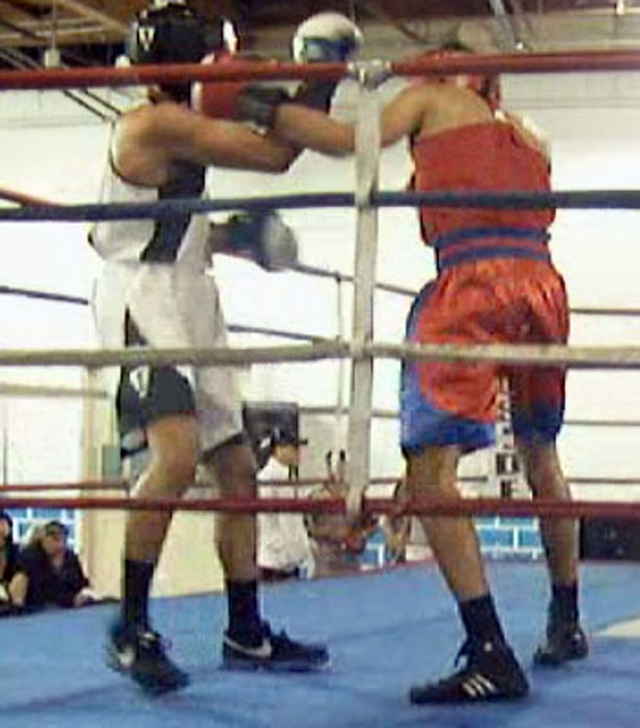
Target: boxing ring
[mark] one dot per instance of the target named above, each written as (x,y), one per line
(385,629)
(404,628)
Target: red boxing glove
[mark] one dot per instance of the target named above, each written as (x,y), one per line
(217,99)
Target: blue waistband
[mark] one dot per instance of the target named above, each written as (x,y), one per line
(489,253)
(488,243)
(459,236)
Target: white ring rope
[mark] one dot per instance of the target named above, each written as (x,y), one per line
(10,389)
(577,357)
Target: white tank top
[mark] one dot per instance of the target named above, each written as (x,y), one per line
(155,270)
(177,239)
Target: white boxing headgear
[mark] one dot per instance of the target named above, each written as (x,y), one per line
(327,37)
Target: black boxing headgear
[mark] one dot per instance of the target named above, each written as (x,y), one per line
(169,31)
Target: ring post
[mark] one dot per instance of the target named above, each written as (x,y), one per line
(338,439)
(367,144)
(86,521)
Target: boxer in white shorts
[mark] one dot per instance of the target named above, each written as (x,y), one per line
(154,290)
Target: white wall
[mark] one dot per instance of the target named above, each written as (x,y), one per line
(51,149)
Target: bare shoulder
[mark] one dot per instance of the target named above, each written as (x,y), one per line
(152,136)
(145,141)
(404,115)
(153,123)
(419,93)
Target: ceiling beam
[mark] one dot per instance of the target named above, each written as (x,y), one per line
(18,11)
(91,13)
(376,9)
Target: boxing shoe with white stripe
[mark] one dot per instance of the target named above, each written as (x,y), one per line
(491,673)
(274,652)
(143,657)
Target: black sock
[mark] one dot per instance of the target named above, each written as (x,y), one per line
(136,586)
(481,620)
(244,613)
(564,602)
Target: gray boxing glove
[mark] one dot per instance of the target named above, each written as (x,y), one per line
(262,236)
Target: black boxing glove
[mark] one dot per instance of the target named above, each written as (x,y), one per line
(316,94)
(259,104)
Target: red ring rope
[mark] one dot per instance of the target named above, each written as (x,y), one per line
(98,485)
(58,78)
(457,507)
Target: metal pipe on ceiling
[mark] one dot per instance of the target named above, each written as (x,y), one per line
(506,36)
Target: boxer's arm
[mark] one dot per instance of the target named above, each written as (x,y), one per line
(301,126)
(150,139)
(229,144)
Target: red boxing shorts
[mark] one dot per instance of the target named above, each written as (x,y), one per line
(502,300)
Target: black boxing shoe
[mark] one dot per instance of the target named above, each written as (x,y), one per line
(564,641)
(143,657)
(491,673)
(274,652)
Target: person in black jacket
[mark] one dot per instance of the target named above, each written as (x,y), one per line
(49,573)
(8,553)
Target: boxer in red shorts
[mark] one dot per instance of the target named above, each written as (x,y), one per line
(495,284)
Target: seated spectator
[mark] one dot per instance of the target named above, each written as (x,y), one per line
(396,529)
(337,543)
(49,573)
(8,554)
(284,551)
